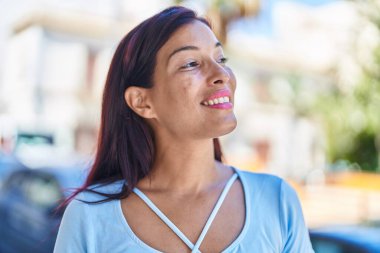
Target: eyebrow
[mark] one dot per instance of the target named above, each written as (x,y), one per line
(217,44)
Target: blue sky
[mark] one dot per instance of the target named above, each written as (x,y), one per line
(262,24)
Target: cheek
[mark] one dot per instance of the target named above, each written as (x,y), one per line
(177,95)
(186,96)
(189,84)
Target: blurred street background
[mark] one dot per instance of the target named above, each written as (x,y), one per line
(307,101)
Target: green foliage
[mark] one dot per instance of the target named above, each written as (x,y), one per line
(352,119)
(364,151)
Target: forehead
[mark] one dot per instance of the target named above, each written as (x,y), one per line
(193,34)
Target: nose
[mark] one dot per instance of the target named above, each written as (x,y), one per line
(218,74)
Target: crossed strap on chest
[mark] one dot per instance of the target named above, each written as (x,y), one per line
(194,247)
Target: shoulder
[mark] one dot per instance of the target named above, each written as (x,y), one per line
(273,188)
(84,219)
(259,180)
(94,192)
(89,202)
(262,187)
(254,176)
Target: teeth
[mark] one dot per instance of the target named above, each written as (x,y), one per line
(216,101)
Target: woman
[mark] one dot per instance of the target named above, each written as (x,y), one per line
(158,184)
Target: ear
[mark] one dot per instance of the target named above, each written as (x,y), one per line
(138,100)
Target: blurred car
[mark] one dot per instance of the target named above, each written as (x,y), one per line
(346,239)
(35,149)
(8,164)
(29,219)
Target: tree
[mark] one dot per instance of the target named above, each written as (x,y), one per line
(222,12)
(352,118)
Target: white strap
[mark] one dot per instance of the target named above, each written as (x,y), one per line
(165,219)
(214,212)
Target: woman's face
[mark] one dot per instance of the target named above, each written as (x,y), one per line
(193,91)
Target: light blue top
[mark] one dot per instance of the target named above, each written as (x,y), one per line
(273,222)
(157,211)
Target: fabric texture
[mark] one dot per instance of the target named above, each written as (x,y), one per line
(274,222)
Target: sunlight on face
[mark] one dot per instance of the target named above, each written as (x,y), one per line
(193,88)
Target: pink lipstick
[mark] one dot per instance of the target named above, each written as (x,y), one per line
(219,100)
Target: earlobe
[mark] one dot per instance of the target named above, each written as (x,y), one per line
(137,99)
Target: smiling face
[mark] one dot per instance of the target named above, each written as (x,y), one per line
(193,90)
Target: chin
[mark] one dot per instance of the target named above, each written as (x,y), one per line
(226,128)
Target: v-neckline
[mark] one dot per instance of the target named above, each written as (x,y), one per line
(119,213)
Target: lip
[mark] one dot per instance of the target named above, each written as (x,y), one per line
(224,106)
(219,94)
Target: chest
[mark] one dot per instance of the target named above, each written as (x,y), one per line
(190,217)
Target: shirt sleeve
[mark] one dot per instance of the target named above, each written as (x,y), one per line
(72,234)
(296,235)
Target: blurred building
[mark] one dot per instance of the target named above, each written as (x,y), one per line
(54,72)
(287,55)
(58,54)
(56,60)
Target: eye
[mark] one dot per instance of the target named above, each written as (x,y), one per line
(189,65)
(222,60)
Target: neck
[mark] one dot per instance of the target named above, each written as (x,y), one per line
(183,167)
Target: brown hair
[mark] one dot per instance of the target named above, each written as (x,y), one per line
(126,142)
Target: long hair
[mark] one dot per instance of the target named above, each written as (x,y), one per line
(126,143)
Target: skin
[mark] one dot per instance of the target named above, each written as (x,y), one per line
(186,181)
